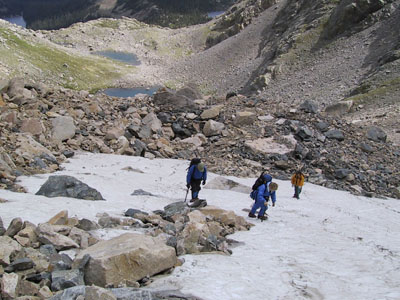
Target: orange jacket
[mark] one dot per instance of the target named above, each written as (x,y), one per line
(298,179)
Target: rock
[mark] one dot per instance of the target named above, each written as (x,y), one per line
(304,133)
(20,264)
(61,280)
(80,237)
(335,134)
(198,203)
(9,283)
(366,148)
(47,235)
(2,229)
(63,128)
(129,257)
(267,145)
(28,233)
(45,292)
(340,108)
(212,128)
(376,134)
(95,293)
(244,118)
(14,227)
(68,186)
(28,148)
(32,126)
(71,293)
(152,122)
(322,126)
(87,225)
(167,100)
(211,113)
(131,212)
(227,218)
(309,107)
(8,248)
(342,173)
(174,209)
(282,164)
(222,183)
(59,219)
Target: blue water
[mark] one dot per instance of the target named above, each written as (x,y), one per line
(125,57)
(214,14)
(18,20)
(125,93)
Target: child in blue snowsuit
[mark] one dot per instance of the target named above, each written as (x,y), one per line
(263,192)
(196,174)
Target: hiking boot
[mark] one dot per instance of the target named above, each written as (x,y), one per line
(194,199)
(252,215)
(262,218)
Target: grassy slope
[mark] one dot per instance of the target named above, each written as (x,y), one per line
(30,57)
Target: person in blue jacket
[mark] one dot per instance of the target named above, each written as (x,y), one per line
(196,175)
(263,192)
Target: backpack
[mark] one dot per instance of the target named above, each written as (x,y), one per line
(259,181)
(194,161)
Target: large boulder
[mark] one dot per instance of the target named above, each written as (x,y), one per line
(222,183)
(376,134)
(63,128)
(244,118)
(28,148)
(268,145)
(213,128)
(226,217)
(339,109)
(168,99)
(126,258)
(68,186)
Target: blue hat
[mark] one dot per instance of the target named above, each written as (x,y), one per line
(267,177)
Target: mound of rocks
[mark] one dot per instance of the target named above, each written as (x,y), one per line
(63,257)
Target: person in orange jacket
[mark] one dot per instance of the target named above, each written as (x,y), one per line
(297,182)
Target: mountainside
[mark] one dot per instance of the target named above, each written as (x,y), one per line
(312,86)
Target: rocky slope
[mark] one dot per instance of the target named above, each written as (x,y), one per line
(281,54)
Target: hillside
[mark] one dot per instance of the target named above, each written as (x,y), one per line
(294,62)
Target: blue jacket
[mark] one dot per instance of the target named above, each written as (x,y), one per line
(263,193)
(194,173)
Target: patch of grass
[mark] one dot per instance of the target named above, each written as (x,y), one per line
(383,89)
(66,69)
(108,23)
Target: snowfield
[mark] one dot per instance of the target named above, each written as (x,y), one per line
(327,245)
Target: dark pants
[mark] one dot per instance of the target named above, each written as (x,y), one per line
(195,184)
(297,191)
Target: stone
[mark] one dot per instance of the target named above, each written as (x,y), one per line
(131,212)
(45,292)
(174,210)
(28,148)
(9,283)
(168,99)
(64,279)
(227,218)
(60,218)
(32,126)
(222,183)
(63,128)
(20,264)
(342,173)
(80,236)
(87,225)
(152,122)
(322,126)
(267,145)
(68,186)
(98,293)
(212,128)
(366,148)
(335,134)
(244,118)
(340,108)
(304,133)
(47,235)
(14,227)
(211,113)
(376,134)
(2,229)
(309,107)
(129,257)
(8,249)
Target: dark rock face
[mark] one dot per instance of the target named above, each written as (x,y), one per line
(179,101)
(67,186)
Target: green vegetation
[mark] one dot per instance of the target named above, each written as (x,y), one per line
(63,68)
(386,87)
(108,23)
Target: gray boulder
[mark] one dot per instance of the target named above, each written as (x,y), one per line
(168,99)
(68,186)
(63,279)
(63,128)
(309,106)
(2,229)
(335,134)
(376,134)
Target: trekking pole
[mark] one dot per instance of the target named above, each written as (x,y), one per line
(187,191)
